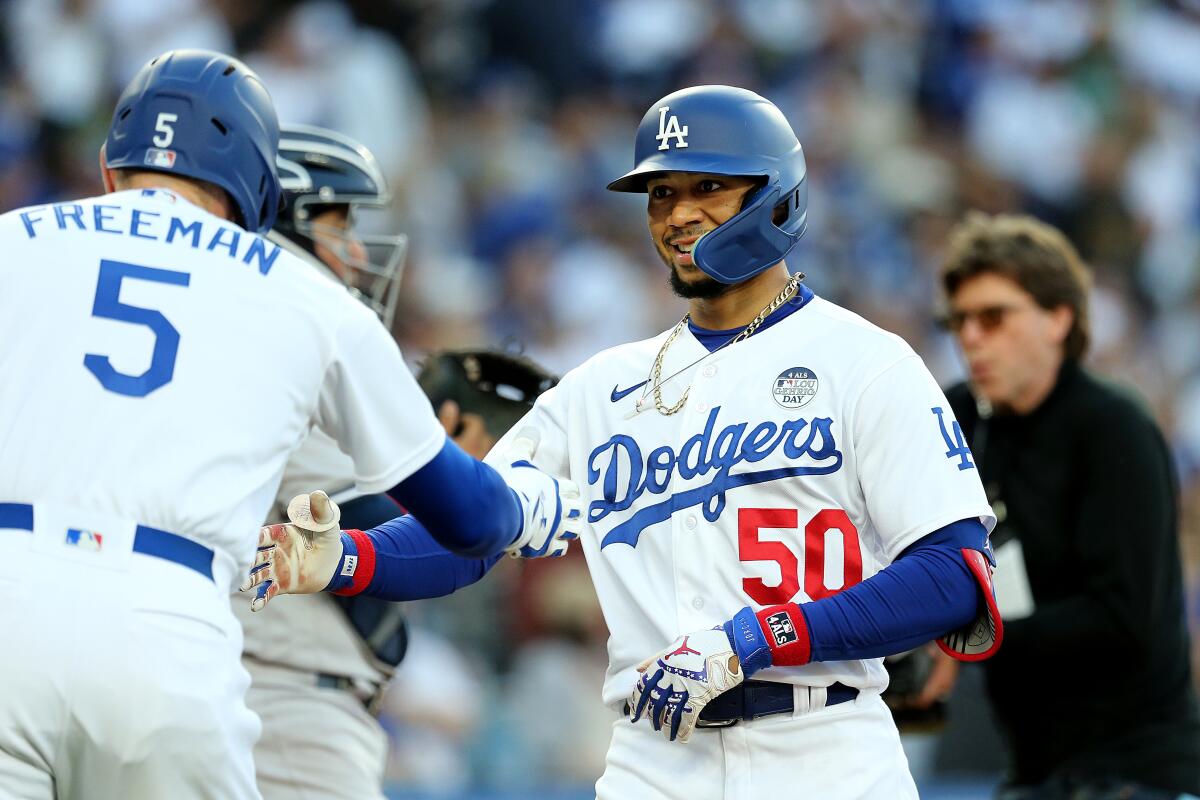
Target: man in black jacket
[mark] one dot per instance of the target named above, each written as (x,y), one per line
(1092,686)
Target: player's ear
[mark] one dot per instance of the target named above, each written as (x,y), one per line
(106,174)
(1062,318)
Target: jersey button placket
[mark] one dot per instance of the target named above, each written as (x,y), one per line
(700,384)
(689,582)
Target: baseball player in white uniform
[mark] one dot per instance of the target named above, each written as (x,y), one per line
(777,493)
(162,360)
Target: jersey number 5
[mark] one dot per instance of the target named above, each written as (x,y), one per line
(166,339)
(830,521)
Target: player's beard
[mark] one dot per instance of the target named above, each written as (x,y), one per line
(704,288)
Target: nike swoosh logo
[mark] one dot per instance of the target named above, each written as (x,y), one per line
(617,394)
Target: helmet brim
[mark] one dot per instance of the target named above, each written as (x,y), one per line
(679,161)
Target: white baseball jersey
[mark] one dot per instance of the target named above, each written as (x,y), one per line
(161,364)
(318,463)
(806,459)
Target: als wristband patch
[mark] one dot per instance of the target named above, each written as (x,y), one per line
(786,631)
(357,565)
(783,632)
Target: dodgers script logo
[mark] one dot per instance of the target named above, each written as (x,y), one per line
(670,129)
(702,454)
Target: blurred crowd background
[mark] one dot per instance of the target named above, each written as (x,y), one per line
(499,123)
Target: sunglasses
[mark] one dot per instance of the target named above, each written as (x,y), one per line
(989,317)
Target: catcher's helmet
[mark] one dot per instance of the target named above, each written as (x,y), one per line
(207,116)
(724,130)
(319,168)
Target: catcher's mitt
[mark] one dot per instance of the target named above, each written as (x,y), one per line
(498,386)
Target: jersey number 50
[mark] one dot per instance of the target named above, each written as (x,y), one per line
(166,339)
(830,521)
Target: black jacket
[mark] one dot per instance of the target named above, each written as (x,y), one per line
(1097,681)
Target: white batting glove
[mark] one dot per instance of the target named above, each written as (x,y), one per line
(300,556)
(551,506)
(680,681)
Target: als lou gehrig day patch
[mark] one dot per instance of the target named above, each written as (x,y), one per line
(795,387)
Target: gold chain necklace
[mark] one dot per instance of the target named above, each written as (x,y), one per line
(656,373)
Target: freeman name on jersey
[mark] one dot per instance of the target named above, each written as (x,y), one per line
(141,224)
(699,455)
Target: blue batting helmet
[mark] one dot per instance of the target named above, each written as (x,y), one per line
(724,130)
(207,116)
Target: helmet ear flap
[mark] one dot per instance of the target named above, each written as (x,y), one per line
(795,202)
(751,241)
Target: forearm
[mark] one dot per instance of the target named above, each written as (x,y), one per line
(924,594)
(400,560)
(915,600)
(463,504)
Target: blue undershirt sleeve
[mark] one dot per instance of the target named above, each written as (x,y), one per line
(410,565)
(925,593)
(462,503)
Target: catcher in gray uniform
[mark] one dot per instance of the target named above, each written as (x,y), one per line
(320,662)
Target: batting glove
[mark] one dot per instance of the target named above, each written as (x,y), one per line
(680,681)
(303,555)
(552,510)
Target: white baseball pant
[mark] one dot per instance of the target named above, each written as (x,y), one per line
(849,751)
(120,676)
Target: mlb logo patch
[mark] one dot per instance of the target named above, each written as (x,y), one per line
(84,539)
(163,159)
(782,629)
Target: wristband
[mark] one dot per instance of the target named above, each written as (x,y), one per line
(786,632)
(356,567)
(747,639)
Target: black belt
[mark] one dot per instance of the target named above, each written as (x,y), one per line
(327,681)
(343,684)
(753,699)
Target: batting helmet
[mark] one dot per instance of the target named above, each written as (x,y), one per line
(724,130)
(319,168)
(207,116)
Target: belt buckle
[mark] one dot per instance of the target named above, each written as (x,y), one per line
(718,723)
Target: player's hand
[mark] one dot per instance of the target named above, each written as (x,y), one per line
(299,556)
(677,683)
(468,430)
(943,673)
(552,508)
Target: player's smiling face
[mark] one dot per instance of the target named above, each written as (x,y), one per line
(682,207)
(1013,346)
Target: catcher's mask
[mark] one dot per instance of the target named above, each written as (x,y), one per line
(321,169)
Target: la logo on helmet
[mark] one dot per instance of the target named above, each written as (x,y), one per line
(670,129)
